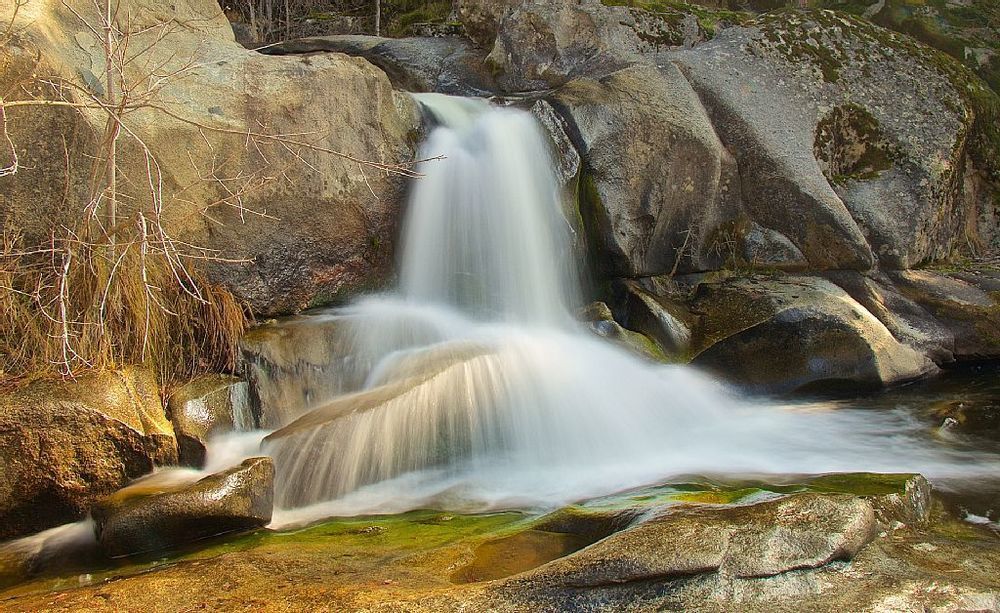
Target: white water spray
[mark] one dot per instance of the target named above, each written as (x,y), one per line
(482,392)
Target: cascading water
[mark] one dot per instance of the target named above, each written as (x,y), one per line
(481,391)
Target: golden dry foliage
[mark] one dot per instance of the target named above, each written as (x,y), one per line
(80,305)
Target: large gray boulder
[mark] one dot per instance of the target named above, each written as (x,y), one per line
(851,140)
(660,203)
(63,445)
(783,334)
(134,520)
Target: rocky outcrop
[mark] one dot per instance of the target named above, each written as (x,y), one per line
(259,159)
(874,164)
(65,444)
(207,406)
(134,521)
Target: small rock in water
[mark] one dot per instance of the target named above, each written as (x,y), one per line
(234,500)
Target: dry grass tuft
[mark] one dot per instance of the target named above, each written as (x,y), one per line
(77,306)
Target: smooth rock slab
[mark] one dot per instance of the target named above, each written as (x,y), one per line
(814,334)
(762,540)
(234,500)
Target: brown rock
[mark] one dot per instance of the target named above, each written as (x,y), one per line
(65,444)
(134,521)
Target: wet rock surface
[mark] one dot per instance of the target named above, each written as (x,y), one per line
(602,322)
(209,405)
(135,520)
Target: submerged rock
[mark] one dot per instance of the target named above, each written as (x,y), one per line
(207,406)
(134,520)
(65,444)
(602,322)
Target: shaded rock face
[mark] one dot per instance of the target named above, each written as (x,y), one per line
(813,334)
(207,406)
(63,445)
(659,204)
(234,500)
(307,226)
(660,320)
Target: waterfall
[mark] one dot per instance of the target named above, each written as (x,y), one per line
(483,233)
(480,391)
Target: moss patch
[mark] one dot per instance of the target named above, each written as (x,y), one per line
(674,11)
(849,145)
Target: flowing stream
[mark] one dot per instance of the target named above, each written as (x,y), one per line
(479,390)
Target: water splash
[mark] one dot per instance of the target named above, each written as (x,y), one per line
(480,391)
